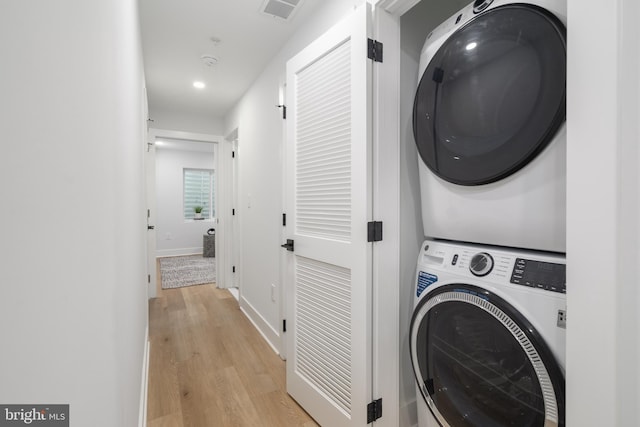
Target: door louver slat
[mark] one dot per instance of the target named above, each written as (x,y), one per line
(323,148)
(323,329)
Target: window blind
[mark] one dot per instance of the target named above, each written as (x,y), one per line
(199,190)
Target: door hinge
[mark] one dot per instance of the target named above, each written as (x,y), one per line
(148,213)
(284,111)
(148,278)
(284,219)
(233,269)
(374,231)
(233,154)
(233,211)
(284,325)
(374,50)
(374,410)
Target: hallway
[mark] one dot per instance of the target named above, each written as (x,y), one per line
(210,367)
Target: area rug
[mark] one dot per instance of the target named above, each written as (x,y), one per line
(181,271)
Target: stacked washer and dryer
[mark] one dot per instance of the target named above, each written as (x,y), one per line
(487,335)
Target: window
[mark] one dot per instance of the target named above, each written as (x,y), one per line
(199,190)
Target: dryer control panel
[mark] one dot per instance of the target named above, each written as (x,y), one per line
(538,274)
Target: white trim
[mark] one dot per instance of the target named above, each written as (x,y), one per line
(386,208)
(270,335)
(189,136)
(603,207)
(164,253)
(224,230)
(144,387)
(284,264)
(151,206)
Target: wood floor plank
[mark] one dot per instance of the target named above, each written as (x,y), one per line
(163,379)
(209,366)
(235,406)
(171,420)
(197,391)
(279,409)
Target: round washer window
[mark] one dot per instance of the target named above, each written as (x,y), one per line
(479,363)
(493,96)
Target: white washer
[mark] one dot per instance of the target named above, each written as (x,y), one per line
(487,337)
(489,124)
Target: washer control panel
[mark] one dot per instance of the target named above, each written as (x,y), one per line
(538,270)
(538,274)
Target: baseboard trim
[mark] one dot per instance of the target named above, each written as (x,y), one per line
(269,334)
(144,387)
(178,252)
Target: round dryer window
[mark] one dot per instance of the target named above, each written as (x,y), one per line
(479,363)
(493,96)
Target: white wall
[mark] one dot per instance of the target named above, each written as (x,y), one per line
(603,208)
(174,235)
(187,122)
(260,127)
(73,310)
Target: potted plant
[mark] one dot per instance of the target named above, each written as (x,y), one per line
(198,211)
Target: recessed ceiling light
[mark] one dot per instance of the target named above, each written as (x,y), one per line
(198,85)
(471,46)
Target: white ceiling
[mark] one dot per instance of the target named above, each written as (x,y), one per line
(175,33)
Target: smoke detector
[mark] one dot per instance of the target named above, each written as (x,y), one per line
(209,60)
(282,9)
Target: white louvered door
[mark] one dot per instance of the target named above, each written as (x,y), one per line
(328,207)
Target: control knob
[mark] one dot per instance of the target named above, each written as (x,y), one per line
(481,264)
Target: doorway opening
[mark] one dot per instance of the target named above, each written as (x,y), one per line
(183,201)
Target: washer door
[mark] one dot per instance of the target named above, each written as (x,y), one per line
(479,363)
(493,95)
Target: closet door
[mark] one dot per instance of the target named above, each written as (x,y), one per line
(328,207)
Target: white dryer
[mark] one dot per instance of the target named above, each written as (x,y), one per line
(487,337)
(489,123)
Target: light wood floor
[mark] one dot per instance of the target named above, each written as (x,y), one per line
(210,367)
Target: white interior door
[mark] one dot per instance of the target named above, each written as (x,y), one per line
(150,170)
(329,204)
(235,234)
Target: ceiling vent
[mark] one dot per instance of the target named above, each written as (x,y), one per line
(282,9)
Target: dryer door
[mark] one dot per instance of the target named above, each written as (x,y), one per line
(478,362)
(493,96)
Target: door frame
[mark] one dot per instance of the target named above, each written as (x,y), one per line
(603,131)
(152,135)
(284,260)
(229,224)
